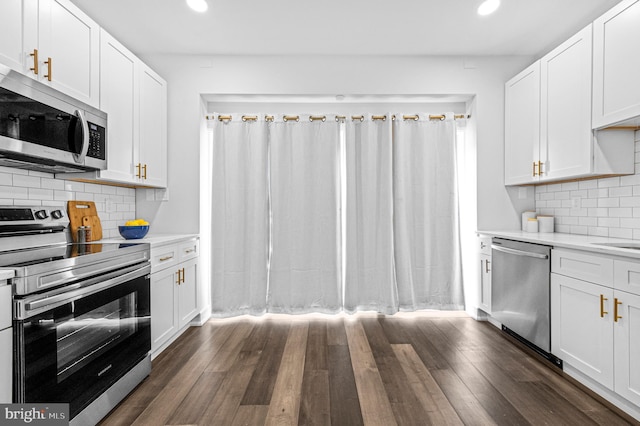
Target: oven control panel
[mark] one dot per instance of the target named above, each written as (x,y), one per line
(40,215)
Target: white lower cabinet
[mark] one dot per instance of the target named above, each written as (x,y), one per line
(174,291)
(595,327)
(484,276)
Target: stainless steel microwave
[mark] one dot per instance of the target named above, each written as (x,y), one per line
(45,130)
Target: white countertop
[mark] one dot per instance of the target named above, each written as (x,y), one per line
(155,239)
(6,274)
(572,241)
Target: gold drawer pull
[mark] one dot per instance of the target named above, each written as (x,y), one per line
(162,259)
(35,61)
(49,65)
(190,251)
(602,311)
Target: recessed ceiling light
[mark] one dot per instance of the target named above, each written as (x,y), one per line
(487,7)
(198,5)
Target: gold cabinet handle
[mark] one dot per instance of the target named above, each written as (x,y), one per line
(49,65)
(139,173)
(540,163)
(486,266)
(178,282)
(144,175)
(534,169)
(616,302)
(35,61)
(183,275)
(602,311)
(162,259)
(190,251)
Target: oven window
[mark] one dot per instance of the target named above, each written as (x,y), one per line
(81,339)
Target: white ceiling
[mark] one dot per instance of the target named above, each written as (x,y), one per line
(343,27)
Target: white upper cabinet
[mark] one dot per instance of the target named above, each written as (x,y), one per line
(616,65)
(54,42)
(522,126)
(119,99)
(152,163)
(11,22)
(548,134)
(566,146)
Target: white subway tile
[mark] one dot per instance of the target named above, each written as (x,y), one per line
(608,202)
(109,190)
(13,171)
(40,194)
(630,202)
(6,179)
(563,195)
(62,195)
(630,180)
(541,204)
(41,174)
(26,181)
(581,230)
(13,192)
(589,202)
(19,202)
(54,203)
(554,188)
(621,191)
(579,212)
(84,196)
(554,203)
(566,204)
(636,212)
(598,193)
(547,196)
(630,223)
(129,199)
(582,193)
(588,184)
(620,212)
(565,229)
(621,233)
(600,232)
(548,212)
(636,234)
(50,183)
(609,222)
(570,186)
(609,182)
(568,220)
(541,188)
(92,187)
(563,212)
(588,221)
(598,212)
(73,186)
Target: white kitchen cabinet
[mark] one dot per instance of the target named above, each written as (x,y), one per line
(580,335)
(484,276)
(560,144)
(135,99)
(174,291)
(627,346)
(11,29)
(595,327)
(54,42)
(152,153)
(522,127)
(616,86)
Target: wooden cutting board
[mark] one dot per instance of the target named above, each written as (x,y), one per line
(77,211)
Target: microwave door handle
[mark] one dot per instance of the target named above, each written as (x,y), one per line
(79,158)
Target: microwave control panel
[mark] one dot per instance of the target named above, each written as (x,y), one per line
(97,141)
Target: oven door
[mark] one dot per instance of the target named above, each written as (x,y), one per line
(72,350)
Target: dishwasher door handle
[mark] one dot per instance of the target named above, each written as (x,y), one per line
(519,252)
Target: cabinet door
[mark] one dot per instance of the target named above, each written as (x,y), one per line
(627,349)
(188,288)
(616,86)
(164,313)
(11,27)
(72,41)
(485,283)
(522,126)
(6,363)
(153,128)
(566,147)
(119,99)
(582,334)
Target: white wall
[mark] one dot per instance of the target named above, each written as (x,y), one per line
(189,77)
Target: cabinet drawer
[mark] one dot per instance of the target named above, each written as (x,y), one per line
(484,245)
(587,267)
(164,256)
(626,276)
(189,249)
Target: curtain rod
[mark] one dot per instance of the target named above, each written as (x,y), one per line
(323,118)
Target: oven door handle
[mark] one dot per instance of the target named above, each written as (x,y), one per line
(519,252)
(30,306)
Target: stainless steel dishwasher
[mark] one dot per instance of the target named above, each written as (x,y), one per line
(520,292)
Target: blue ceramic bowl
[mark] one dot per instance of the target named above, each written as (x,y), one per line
(133,232)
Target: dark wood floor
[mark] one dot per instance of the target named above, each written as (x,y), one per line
(366,370)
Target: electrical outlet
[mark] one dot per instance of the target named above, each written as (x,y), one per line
(575,202)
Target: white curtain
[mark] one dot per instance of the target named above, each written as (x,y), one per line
(426,218)
(304,172)
(370,281)
(240,217)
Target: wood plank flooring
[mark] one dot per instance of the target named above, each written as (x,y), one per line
(434,369)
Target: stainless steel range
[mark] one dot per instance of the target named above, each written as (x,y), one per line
(81,314)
